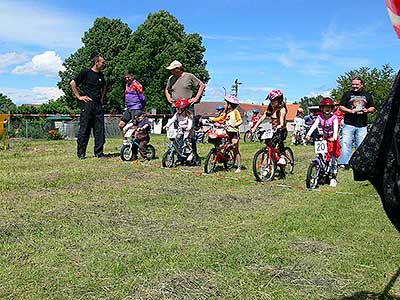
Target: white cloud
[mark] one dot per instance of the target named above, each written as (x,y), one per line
(33,23)
(47,63)
(35,95)
(326,93)
(11,58)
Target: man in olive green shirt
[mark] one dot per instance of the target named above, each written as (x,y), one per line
(182,85)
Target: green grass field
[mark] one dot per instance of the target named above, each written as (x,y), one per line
(107,229)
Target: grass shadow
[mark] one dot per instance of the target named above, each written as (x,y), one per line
(384,295)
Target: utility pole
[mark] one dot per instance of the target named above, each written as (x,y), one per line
(235,88)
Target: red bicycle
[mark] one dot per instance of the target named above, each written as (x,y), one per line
(265,161)
(221,153)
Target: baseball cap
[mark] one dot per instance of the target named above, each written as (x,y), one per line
(174,64)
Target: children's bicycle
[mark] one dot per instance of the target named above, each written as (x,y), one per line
(320,167)
(129,151)
(265,161)
(222,152)
(175,153)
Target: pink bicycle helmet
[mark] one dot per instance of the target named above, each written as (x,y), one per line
(275,94)
(231,99)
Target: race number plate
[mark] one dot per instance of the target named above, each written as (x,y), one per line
(321,147)
(268,134)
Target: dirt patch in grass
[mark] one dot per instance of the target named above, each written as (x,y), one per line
(303,274)
(316,247)
(184,285)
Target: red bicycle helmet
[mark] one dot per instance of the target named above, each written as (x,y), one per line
(181,103)
(327,102)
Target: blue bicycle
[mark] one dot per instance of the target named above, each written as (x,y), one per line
(319,171)
(129,151)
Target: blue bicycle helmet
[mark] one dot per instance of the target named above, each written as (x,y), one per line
(256,111)
(220,107)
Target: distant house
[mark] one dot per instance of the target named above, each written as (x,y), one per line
(208,109)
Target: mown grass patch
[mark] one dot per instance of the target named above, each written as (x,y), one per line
(107,229)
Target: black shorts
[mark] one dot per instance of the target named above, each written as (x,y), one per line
(128,115)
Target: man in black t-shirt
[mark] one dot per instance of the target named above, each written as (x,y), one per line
(356,105)
(92,91)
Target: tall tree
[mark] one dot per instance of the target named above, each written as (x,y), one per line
(107,37)
(58,106)
(153,46)
(6,105)
(376,81)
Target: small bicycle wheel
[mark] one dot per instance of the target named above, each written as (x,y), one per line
(248,136)
(263,166)
(151,151)
(168,159)
(230,159)
(313,173)
(210,163)
(289,160)
(126,152)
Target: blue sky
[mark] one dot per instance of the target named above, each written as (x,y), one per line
(298,46)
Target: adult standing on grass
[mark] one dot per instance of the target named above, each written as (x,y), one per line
(356,104)
(91,93)
(183,85)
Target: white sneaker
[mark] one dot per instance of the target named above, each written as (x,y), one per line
(282,160)
(125,142)
(333,182)
(190,157)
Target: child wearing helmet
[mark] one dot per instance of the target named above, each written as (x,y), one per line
(255,117)
(329,125)
(184,119)
(233,120)
(142,133)
(299,126)
(277,111)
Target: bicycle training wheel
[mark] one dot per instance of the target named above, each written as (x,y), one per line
(312,175)
(168,159)
(210,163)
(263,166)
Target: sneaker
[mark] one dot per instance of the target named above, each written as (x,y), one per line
(101,155)
(82,157)
(238,170)
(190,157)
(125,142)
(333,182)
(282,160)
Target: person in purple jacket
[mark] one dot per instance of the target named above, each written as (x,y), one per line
(134,99)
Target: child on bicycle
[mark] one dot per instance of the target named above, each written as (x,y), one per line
(329,124)
(277,111)
(299,126)
(142,133)
(255,117)
(184,119)
(233,120)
